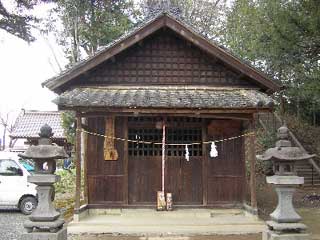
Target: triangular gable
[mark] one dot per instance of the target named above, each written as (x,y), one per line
(185,31)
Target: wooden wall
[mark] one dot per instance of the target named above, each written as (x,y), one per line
(164,58)
(106,179)
(226,173)
(134,181)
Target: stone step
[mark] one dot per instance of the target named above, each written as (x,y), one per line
(229,229)
(177,222)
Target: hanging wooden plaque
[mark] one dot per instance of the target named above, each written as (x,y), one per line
(110,153)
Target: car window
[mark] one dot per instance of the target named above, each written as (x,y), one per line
(27,164)
(9,168)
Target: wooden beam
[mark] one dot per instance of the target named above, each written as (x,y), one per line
(165,111)
(233,116)
(253,190)
(78,164)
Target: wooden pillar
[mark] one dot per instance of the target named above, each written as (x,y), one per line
(204,164)
(85,159)
(125,162)
(78,164)
(253,191)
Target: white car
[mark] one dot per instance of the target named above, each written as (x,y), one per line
(15,191)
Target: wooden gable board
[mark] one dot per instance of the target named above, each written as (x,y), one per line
(164,20)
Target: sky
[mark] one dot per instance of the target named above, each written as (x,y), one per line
(23,67)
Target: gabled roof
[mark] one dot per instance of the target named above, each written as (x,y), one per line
(29,122)
(164,19)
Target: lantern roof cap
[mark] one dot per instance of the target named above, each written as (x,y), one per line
(45,149)
(283,151)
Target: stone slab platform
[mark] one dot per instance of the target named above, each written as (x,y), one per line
(178,222)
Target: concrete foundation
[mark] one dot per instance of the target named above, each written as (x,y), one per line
(271,235)
(178,222)
(60,235)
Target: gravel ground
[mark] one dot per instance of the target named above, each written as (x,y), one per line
(11,224)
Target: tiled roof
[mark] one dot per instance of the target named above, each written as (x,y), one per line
(28,124)
(164,97)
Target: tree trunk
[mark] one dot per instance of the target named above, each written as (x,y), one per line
(313,113)
(4,138)
(298,107)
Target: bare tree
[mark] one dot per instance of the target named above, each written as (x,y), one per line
(8,127)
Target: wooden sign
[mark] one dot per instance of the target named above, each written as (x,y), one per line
(169,202)
(161,201)
(110,153)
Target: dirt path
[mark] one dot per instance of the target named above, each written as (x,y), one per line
(311,217)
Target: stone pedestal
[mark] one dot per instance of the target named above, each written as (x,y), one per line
(271,235)
(45,210)
(285,187)
(60,235)
(285,220)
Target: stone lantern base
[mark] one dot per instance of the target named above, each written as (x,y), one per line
(285,224)
(285,231)
(272,235)
(59,235)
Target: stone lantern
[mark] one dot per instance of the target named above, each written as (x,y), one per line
(44,222)
(285,220)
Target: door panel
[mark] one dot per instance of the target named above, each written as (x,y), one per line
(184,180)
(144,179)
(226,171)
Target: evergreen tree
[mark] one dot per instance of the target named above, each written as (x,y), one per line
(281,37)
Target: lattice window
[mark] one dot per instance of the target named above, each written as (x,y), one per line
(180,130)
(140,149)
(184,136)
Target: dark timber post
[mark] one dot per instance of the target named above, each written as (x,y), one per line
(85,158)
(204,164)
(78,164)
(253,193)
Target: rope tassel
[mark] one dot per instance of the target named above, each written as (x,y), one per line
(213,151)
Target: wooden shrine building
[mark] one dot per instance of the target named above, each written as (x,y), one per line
(164,72)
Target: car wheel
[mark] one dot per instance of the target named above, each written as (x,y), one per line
(27,205)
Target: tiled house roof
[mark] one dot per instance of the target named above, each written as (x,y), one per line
(28,124)
(164,97)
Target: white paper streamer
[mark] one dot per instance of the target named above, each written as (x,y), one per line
(213,151)
(187,153)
